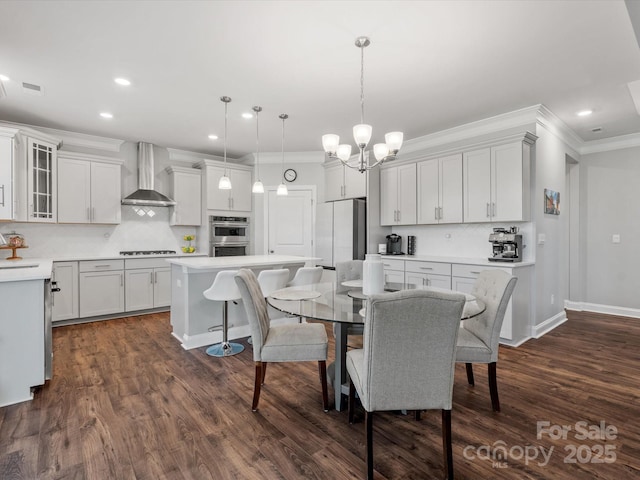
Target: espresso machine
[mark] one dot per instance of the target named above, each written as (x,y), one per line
(507,245)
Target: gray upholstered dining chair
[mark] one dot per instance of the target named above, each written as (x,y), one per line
(300,342)
(407,360)
(479,336)
(348,270)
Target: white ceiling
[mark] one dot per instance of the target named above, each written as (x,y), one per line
(431,65)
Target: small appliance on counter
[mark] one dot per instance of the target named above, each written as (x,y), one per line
(394,244)
(507,245)
(411,245)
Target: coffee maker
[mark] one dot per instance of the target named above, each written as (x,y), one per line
(394,244)
(507,245)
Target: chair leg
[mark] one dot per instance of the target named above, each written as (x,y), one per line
(256,386)
(368,418)
(416,415)
(493,387)
(351,401)
(470,373)
(264,371)
(322,370)
(446,444)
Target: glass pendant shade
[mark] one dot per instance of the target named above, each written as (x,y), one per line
(344,152)
(258,187)
(362,134)
(224,183)
(380,150)
(330,142)
(282,190)
(394,141)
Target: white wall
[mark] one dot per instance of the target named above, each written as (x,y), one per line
(610,204)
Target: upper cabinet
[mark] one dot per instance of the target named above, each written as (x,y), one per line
(398,195)
(238,199)
(496,182)
(6,172)
(343,182)
(440,190)
(35,177)
(185,187)
(89,189)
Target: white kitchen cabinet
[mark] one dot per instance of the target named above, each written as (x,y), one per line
(148,283)
(496,182)
(89,189)
(343,182)
(439,191)
(65,303)
(6,173)
(238,199)
(398,195)
(101,287)
(432,274)
(185,186)
(393,270)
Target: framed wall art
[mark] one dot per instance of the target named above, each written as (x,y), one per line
(551,202)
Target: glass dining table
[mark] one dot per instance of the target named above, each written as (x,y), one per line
(320,301)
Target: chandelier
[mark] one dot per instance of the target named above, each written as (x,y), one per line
(362,133)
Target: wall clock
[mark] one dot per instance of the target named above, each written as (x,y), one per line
(290,175)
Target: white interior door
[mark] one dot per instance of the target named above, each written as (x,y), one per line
(290,222)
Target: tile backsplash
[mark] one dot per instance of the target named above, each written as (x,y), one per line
(133,233)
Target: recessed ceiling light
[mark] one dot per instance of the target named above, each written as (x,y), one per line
(106,115)
(585,113)
(4,78)
(122,81)
(213,137)
(247,115)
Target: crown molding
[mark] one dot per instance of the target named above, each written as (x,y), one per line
(547,119)
(192,157)
(203,163)
(608,144)
(289,157)
(89,157)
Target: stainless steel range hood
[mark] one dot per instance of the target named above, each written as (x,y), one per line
(146,195)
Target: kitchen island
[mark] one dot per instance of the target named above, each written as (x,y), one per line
(25,328)
(196,321)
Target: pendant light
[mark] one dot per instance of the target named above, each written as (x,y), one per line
(282,188)
(225,182)
(257,186)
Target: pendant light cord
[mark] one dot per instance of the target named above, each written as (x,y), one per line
(257,145)
(225,138)
(283,117)
(362,84)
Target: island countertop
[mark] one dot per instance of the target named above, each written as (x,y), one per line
(25,269)
(247,261)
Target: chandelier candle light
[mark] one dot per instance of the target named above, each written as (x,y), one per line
(257,186)
(282,188)
(362,133)
(225,182)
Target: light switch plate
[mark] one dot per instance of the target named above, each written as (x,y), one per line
(541,238)
(615,238)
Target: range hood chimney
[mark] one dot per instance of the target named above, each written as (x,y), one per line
(146,195)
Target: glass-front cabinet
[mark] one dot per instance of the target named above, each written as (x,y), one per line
(41,181)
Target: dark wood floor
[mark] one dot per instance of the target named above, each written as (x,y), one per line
(127,402)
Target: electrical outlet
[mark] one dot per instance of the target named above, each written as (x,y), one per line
(178,283)
(615,238)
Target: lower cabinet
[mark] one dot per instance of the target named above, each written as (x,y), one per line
(393,271)
(101,287)
(431,274)
(64,303)
(148,284)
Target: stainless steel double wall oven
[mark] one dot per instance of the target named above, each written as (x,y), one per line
(228,236)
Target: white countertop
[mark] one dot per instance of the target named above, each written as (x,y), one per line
(25,269)
(459,260)
(209,263)
(115,256)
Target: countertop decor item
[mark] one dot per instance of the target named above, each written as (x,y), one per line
(188,248)
(362,133)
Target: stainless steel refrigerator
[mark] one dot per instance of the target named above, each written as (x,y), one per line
(340,231)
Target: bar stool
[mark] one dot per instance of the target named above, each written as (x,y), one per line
(306,276)
(270,281)
(224,289)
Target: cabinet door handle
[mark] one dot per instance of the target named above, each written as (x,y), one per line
(121,280)
(488,213)
(93,213)
(435,213)
(151,278)
(398,215)
(493,209)
(102,266)
(88,214)
(475,273)
(426,268)
(2,187)
(440,213)
(155,277)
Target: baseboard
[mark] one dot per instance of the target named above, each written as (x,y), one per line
(606,309)
(549,324)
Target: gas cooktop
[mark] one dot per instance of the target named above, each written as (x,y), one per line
(148,252)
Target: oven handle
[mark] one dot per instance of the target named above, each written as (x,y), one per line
(230,244)
(229,224)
